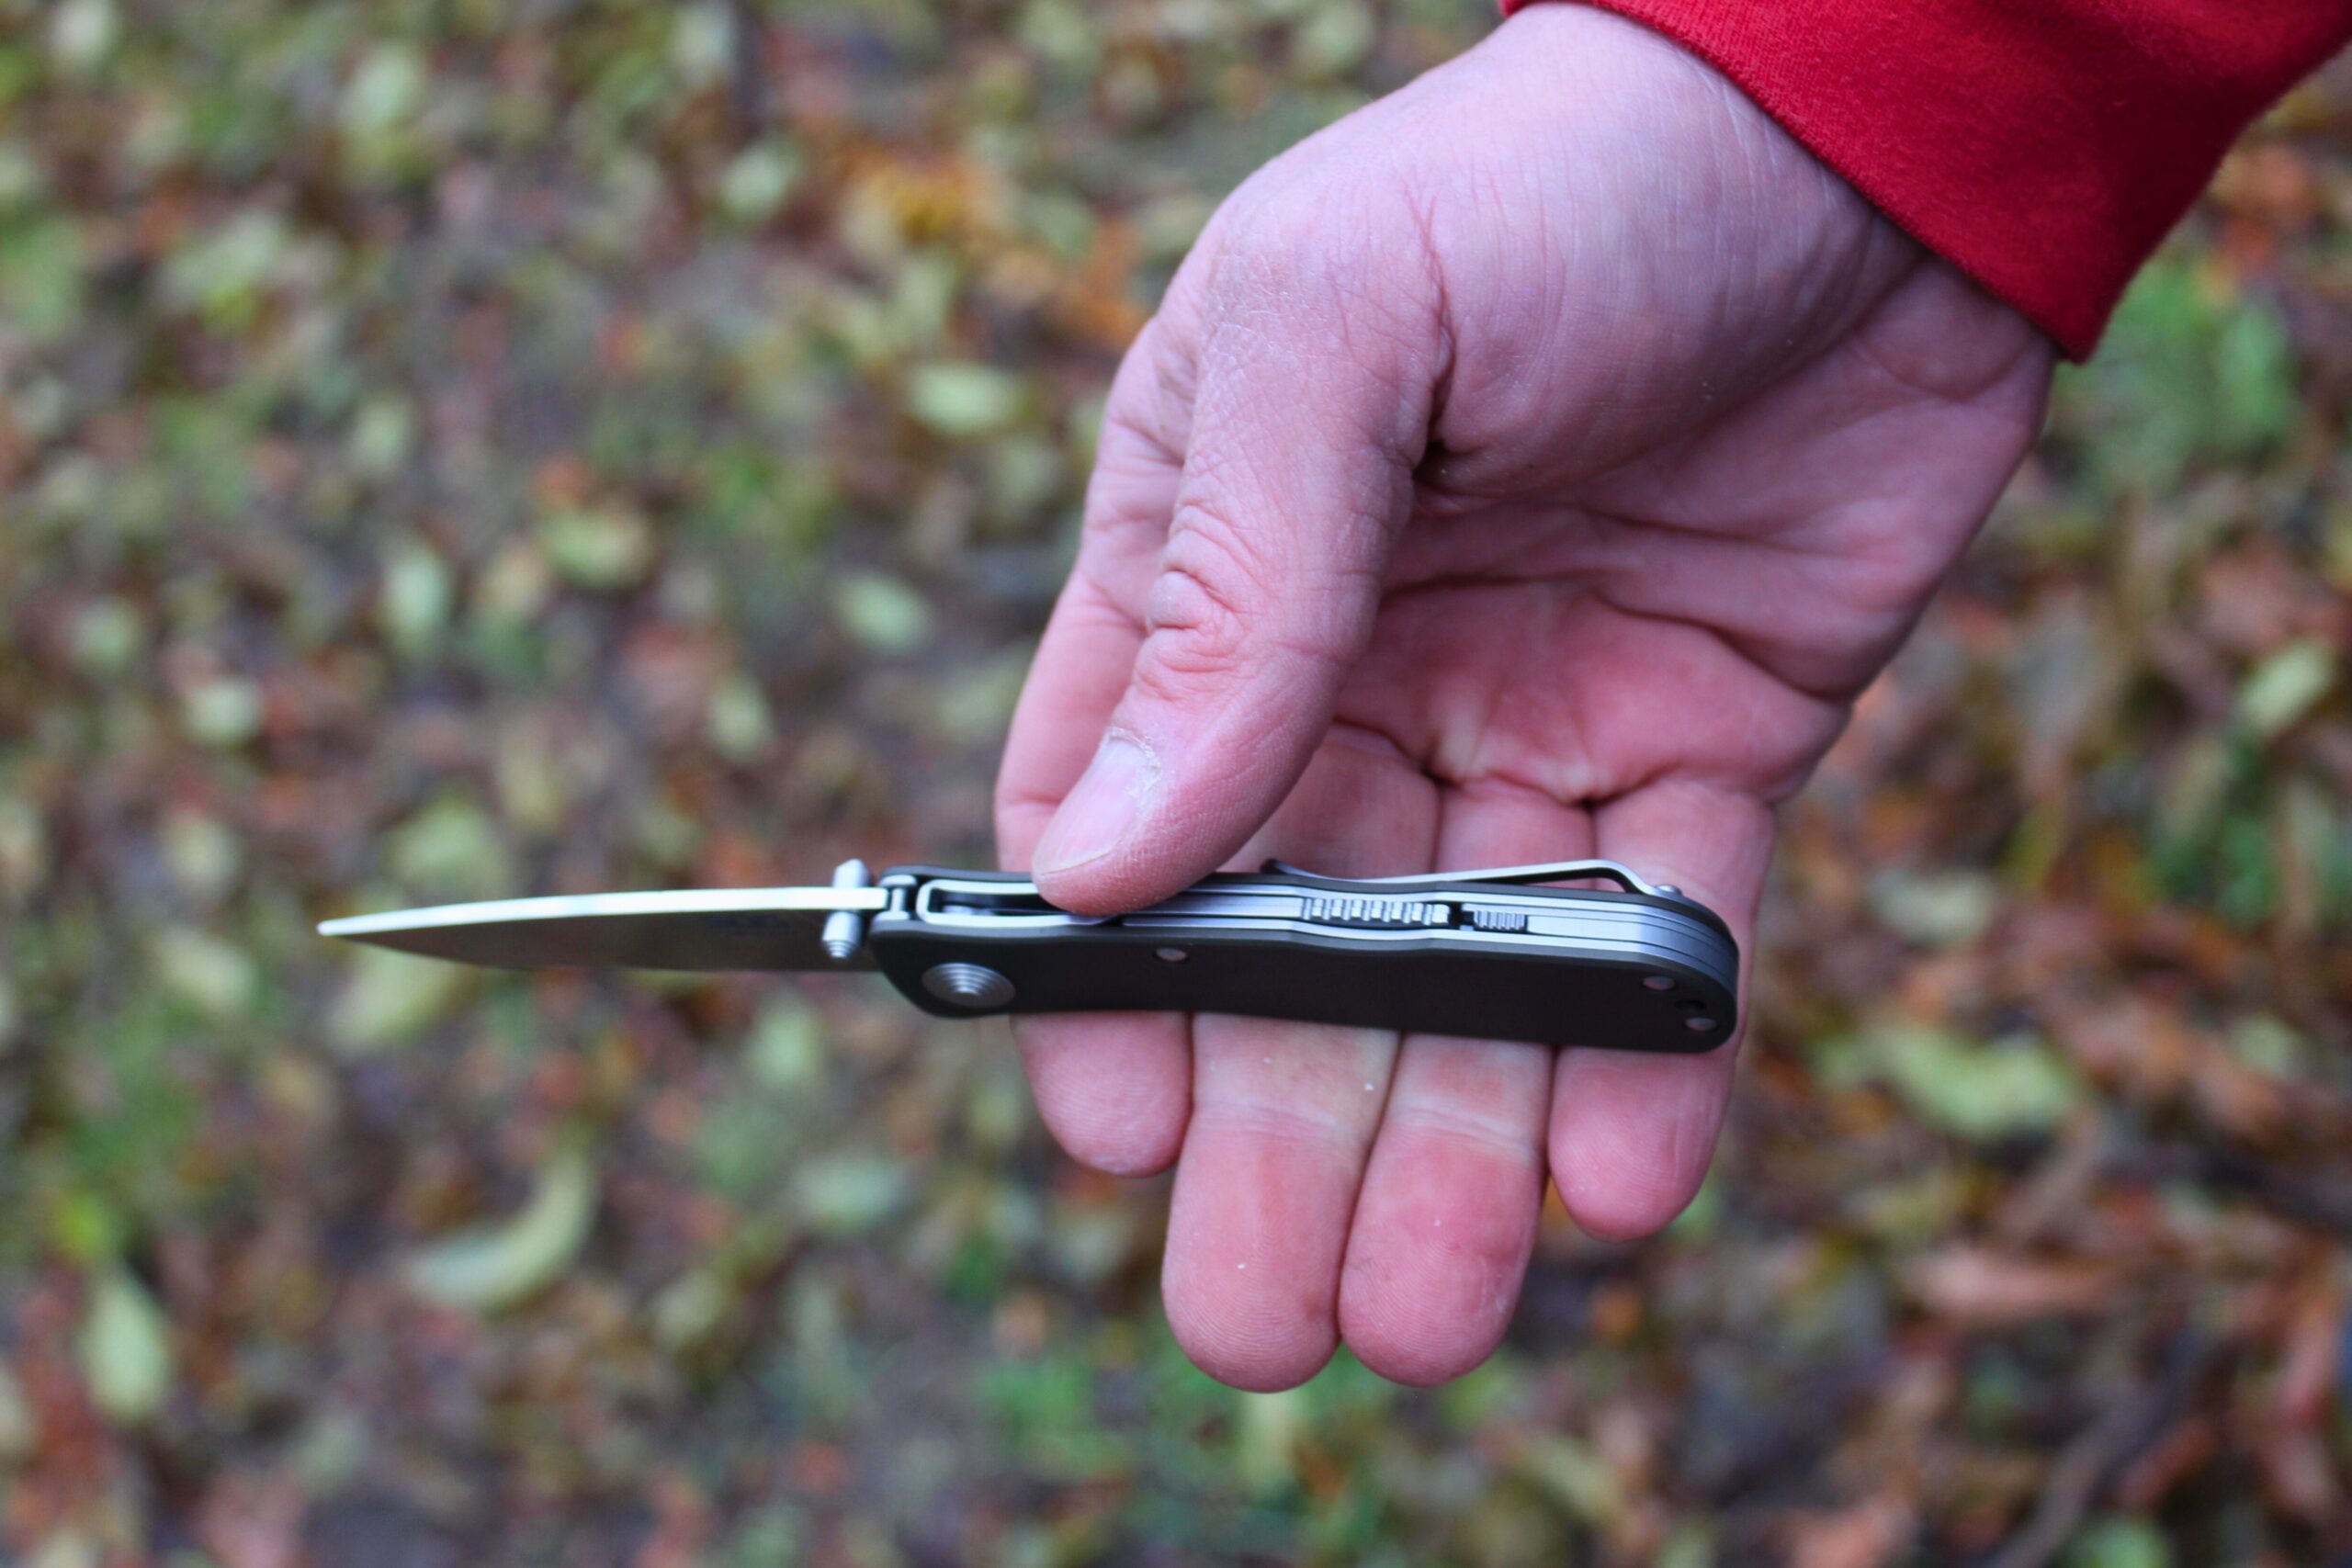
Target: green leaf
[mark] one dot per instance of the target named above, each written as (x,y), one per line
(1691,1545)
(760,179)
(390,998)
(2286,686)
(702,42)
(200,969)
(85,1226)
(387,90)
(25,849)
(1983,1091)
(381,434)
(1272,1429)
(417,596)
(81,32)
(1571,1473)
(769,1537)
(450,849)
(125,1348)
(19,1428)
(690,1307)
(1701,1217)
(738,721)
(2120,1543)
(225,711)
(224,272)
(850,1193)
(602,549)
(787,1048)
(2193,372)
(491,1266)
(1334,39)
(2269,1044)
(962,400)
(106,637)
(1945,910)
(205,857)
(882,613)
(41,277)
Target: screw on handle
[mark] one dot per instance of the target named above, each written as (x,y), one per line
(968,985)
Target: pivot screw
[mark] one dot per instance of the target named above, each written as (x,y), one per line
(968,985)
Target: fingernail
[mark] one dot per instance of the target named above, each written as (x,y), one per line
(1099,813)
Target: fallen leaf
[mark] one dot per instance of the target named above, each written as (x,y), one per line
(2286,686)
(882,613)
(390,998)
(1982,1287)
(494,1265)
(1975,1089)
(963,402)
(850,1193)
(125,1348)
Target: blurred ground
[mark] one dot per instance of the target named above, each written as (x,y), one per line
(455,449)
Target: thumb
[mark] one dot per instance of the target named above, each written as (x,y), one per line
(1297,480)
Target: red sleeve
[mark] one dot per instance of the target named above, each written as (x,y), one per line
(2042,146)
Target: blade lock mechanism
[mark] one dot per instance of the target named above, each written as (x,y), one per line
(1485,954)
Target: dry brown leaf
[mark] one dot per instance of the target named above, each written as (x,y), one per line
(1870,1534)
(1981,1287)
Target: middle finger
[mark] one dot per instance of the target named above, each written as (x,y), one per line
(1284,1113)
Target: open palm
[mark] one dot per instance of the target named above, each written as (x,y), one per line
(1533,466)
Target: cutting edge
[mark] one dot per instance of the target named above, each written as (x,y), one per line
(393,925)
(590,905)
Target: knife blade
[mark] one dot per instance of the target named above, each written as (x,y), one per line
(715,929)
(1494,955)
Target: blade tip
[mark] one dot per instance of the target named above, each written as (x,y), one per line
(349,927)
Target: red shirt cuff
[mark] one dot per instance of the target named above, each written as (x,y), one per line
(2043,147)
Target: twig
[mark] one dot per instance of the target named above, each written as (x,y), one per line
(2093,1458)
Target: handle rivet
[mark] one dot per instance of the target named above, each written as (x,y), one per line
(1659,982)
(1700,1025)
(1669,890)
(1170,955)
(968,985)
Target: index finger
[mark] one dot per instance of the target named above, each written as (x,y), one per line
(1114,1089)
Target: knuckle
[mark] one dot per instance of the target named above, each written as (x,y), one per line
(1225,605)
(1204,604)
(1267,1120)
(1345,255)
(1491,1133)
(1151,396)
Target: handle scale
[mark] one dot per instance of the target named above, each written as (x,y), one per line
(1554,966)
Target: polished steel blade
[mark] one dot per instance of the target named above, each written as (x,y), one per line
(736,928)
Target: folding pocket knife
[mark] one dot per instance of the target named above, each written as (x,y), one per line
(1488,954)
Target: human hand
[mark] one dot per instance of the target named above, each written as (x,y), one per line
(1533,466)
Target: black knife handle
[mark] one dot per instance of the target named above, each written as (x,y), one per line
(1649,973)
